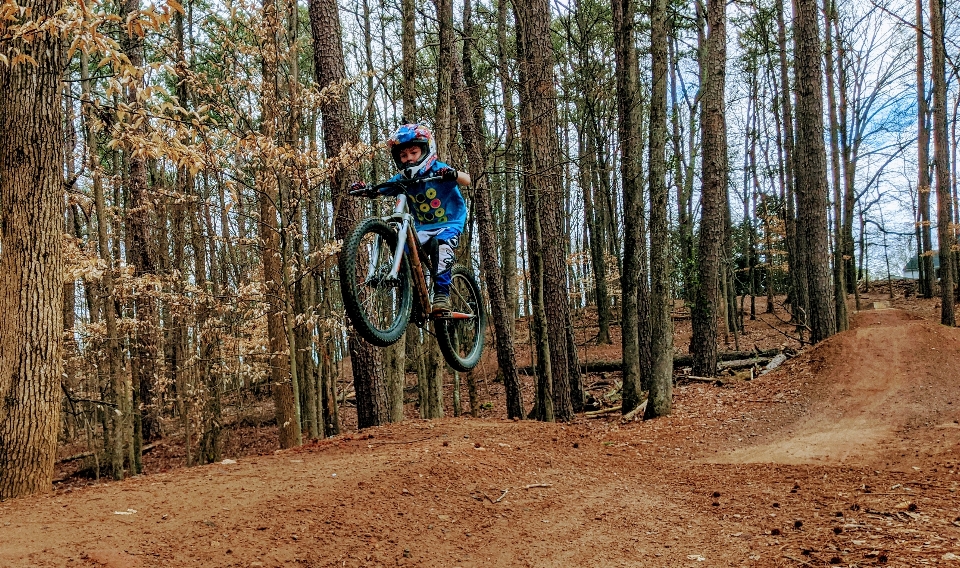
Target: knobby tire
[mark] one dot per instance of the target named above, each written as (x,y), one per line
(461,340)
(379,311)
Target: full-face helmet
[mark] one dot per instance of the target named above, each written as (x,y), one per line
(413,135)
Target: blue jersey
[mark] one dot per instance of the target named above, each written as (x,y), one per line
(435,204)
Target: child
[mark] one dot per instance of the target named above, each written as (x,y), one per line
(437,206)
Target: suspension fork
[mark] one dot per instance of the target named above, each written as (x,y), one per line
(403,227)
(405,232)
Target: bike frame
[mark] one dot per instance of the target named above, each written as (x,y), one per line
(402,221)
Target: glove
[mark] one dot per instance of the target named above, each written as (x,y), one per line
(360,189)
(447,174)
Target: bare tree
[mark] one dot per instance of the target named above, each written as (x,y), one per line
(464,84)
(925,239)
(839,280)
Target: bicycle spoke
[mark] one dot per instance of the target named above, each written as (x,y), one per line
(379,298)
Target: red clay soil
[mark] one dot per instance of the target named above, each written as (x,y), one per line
(847,455)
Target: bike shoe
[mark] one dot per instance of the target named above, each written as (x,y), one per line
(441,302)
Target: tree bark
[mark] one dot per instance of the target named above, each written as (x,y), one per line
(592,171)
(509,221)
(408,46)
(850,150)
(270,245)
(141,218)
(798,296)
(372,409)
(443,124)
(31,260)
(839,280)
(811,171)
(925,242)
(941,163)
(660,400)
(703,344)
(503,329)
(628,129)
(544,198)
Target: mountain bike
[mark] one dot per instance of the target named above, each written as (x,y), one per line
(384,285)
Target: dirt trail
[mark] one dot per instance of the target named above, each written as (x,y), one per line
(848,455)
(890,373)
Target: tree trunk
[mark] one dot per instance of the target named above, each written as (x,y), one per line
(330,68)
(545,407)
(661,324)
(114,438)
(543,190)
(270,244)
(211,432)
(176,328)
(408,39)
(839,280)
(628,129)
(594,226)
(941,163)
(798,295)
(443,120)
(925,242)
(503,329)
(703,344)
(31,289)
(684,219)
(509,222)
(211,443)
(143,256)
(849,150)
(811,172)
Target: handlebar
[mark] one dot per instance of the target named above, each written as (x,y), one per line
(405,183)
(375,191)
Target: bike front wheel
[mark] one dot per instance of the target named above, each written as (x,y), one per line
(460,330)
(378,306)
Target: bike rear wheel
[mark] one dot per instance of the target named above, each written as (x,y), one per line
(460,331)
(378,307)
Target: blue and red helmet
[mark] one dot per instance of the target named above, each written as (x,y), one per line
(413,135)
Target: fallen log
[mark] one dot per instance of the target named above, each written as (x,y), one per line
(774,363)
(602,412)
(611,365)
(698,379)
(687,360)
(742,363)
(83,455)
(639,410)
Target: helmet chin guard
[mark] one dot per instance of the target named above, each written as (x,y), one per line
(413,135)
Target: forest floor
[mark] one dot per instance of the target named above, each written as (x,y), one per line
(848,454)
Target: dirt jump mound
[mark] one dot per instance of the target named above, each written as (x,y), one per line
(886,389)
